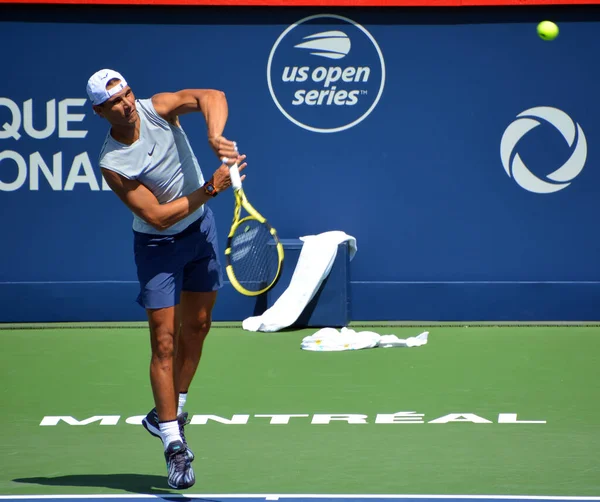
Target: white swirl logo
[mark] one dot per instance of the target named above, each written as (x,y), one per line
(516,168)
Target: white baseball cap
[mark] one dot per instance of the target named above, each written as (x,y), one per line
(96,86)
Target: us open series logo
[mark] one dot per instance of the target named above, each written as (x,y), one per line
(326,73)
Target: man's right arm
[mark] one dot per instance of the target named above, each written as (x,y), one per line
(145,205)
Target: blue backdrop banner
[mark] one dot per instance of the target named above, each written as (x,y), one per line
(458,148)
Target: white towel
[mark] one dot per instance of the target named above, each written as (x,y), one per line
(330,340)
(314,264)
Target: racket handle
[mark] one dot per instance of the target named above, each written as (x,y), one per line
(234,173)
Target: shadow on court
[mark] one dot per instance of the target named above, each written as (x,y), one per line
(133,483)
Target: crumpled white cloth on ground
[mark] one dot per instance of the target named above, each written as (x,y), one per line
(330,340)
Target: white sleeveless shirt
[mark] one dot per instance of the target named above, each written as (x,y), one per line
(161,159)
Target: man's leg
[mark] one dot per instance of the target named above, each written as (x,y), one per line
(160,262)
(202,277)
(164,328)
(196,318)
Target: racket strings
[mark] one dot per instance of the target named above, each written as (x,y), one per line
(254,259)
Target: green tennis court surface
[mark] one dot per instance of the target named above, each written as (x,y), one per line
(479,410)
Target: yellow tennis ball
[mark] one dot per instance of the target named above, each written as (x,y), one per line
(547,30)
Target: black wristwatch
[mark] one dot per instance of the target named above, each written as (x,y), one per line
(209,189)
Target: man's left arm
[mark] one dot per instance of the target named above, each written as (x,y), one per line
(211,103)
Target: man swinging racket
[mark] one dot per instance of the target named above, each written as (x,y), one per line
(148,162)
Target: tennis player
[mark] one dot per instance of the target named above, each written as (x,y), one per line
(148,162)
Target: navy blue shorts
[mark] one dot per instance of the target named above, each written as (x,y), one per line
(170,264)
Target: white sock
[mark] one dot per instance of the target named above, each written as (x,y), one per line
(170,432)
(182,400)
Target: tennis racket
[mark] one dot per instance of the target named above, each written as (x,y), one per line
(254,254)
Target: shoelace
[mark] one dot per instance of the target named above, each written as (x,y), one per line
(179,460)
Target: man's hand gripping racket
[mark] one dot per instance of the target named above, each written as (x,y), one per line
(254,254)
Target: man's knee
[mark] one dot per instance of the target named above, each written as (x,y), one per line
(197,313)
(198,327)
(163,325)
(163,342)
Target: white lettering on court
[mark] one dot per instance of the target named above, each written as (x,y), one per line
(342,417)
(235,419)
(103,419)
(460,417)
(401,417)
(511,418)
(279,419)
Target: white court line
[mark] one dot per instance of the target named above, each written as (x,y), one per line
(293,496)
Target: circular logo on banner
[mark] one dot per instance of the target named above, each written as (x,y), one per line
(516,168)
(326,73)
